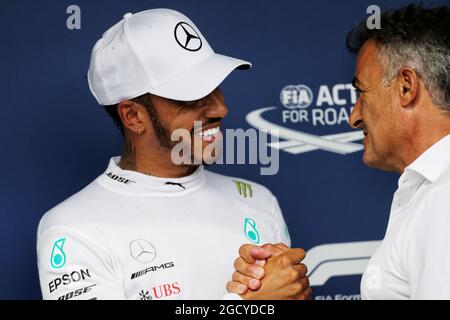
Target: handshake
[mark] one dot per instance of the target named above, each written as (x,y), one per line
(270,272)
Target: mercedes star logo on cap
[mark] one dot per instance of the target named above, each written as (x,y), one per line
(187,37)
(142,251)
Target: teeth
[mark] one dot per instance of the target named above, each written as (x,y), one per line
(211,132)
(208,133)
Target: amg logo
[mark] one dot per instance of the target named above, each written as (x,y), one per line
(152,269)
(119,179)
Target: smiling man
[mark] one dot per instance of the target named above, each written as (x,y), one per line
(141,229)
(403,78)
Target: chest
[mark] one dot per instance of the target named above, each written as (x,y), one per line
(174,251)
(385,276)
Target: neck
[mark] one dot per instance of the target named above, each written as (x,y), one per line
(154,161)
(422,137)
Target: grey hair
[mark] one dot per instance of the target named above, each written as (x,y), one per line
(431,63)
(414,37)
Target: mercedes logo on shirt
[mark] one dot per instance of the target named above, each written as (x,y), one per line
(187,37)
(142,251)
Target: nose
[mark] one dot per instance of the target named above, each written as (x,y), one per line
(355,120)
(216,107)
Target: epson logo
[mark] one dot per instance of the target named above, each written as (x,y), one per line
(66,279)
(119,179)
(152,269)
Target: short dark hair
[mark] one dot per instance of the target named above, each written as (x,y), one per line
(144,100)
(162,133)
(416,37)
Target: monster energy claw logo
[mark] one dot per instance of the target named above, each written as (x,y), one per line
(58,258)
(243,187)
(250,230)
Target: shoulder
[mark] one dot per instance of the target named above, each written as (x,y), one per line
(80,221)
(424,235)
(437,195)
(78,212)
(431,209)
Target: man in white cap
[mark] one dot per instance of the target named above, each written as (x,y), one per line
(141,230)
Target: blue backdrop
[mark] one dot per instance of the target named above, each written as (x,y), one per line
(56,139)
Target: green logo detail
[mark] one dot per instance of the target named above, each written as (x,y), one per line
(250,230)
(58,258)
(243,188)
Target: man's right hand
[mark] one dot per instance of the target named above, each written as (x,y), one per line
(283,276)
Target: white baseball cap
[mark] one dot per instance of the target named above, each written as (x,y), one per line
(159,51)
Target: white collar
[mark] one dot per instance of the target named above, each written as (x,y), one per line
(138,184)
(433,162)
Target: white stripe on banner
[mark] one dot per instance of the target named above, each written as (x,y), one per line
(338,259)
(300,142)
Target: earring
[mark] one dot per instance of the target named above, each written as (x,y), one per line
(141,131)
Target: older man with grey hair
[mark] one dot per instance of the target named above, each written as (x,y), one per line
(403,79)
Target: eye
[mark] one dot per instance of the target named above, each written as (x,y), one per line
(200,103)
(178,103)
(195,104)
(184,105)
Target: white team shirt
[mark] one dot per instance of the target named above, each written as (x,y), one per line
(413,260)
(132,236)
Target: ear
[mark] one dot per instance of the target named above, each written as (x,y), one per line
(409,86)
(131,115)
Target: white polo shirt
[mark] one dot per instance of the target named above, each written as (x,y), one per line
(413,260)
(132,236)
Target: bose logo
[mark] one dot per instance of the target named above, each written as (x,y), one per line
(119,179)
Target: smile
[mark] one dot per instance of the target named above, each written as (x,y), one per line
(208,135)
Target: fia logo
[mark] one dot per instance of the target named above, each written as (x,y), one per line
(299,96)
